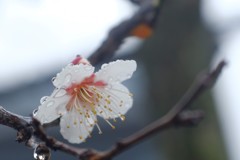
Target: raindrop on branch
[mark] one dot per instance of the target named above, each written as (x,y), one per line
(41,152)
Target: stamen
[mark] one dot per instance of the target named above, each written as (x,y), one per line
(122,117)
(114,99)
(111,109)
(75,122)
(104,107)
(99,129)
(88,116)
(113,127)
(84,97)
(86,92)
(94,111)
(83,121)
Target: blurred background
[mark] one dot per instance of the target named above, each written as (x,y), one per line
(38,38)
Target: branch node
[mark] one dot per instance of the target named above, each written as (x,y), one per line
(189,118)
(24,134)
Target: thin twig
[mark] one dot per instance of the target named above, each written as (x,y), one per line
(147,14)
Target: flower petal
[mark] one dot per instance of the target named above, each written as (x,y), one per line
(75,127)
(72,74)
(116,71)
(47,111)
(114,102)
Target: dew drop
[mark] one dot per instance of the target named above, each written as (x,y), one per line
(104,66)
(104,72)
(46,121)
(41,152)
(127,105)
(53,79)
(76,70)
(118,79)
(61,93)
(35,112)
(68,78)
(50,103)
(43,99)
(128,75)
(109,86)
(88,67)
(110,79)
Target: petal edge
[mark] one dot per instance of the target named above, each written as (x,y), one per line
(116,71)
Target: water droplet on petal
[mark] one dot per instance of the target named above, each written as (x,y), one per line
(68,78)
(35,112)
(88,67)
(110,79)
(127,105)
(50,103)
(128,75)
(53,79)
(104,66)
(76,70)
(104,72)
(73,82)
(45,120)
(61,93)
(43,99)
(118,79)
(109,86)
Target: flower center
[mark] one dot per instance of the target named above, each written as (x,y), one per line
(83,94)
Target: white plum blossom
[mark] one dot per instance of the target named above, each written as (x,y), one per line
(81,95)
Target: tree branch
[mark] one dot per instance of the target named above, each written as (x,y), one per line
(12,120)
(147,14)
(17,122)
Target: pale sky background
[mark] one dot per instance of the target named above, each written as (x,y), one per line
(223,17)
(38,37)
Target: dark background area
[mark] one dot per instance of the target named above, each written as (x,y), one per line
(168,62)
